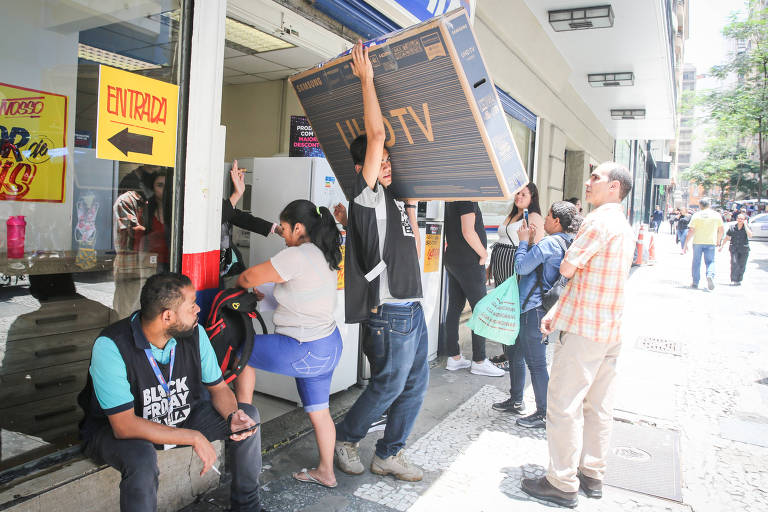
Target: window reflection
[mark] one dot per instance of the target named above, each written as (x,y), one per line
(92,230)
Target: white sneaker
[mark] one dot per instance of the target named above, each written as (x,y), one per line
(486,368)
(457,364)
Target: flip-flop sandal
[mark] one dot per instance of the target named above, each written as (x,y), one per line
(304,476)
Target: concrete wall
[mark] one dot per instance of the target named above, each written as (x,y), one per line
(258,118)
(525,63)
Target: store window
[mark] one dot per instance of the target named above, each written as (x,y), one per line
(79,235)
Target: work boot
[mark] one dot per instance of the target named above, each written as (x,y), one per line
(541,488)
(348,458)
(398,466)
(592,487)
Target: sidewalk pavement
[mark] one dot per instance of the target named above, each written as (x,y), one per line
(714,392)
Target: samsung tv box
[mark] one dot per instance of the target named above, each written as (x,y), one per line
(447,133)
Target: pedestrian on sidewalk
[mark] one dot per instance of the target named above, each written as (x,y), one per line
(656,219)
(154,383)
(738,236)
(306,343)
(706,230)
(383,291)
(539,269)
(503,251)
(682,228)
(588,314)
(672,220)
(464,259)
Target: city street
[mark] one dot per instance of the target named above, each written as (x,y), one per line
(691,421)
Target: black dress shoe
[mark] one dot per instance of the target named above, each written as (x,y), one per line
(592,487)
(541,488)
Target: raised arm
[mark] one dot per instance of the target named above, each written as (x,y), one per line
(374,122)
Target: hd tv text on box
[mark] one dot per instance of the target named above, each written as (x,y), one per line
(442,118)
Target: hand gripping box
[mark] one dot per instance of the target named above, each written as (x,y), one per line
(446,131)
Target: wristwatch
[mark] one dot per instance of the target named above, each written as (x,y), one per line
(229,420)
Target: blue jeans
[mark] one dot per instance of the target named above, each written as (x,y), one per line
(681,236)
(396,344)
(311,363)
(529,349)
(708,251)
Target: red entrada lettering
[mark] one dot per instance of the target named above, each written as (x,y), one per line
(137,105)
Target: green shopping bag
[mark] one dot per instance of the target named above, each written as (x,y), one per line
(497,316)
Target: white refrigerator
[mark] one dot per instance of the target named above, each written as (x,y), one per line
(275,182)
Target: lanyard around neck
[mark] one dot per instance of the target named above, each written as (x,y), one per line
(159,374)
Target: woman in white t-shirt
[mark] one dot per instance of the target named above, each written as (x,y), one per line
(503,252)
(306,344)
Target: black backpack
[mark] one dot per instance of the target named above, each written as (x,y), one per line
(230,329)
(550,297)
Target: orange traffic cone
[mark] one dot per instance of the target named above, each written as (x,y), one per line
(652,250)
(639,250)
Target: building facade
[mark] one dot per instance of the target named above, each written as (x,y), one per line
(95,227)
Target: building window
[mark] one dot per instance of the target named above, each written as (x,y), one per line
(91,229)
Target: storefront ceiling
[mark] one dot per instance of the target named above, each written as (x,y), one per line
(637,42)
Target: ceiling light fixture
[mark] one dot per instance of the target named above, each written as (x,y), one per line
(599,16)
(113,59)
(627,113)
(611,79)
(245,38)
(253,38)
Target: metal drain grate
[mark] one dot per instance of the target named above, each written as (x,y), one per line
(645,459)
(662,345)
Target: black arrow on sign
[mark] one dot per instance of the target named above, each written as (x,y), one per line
(133,142)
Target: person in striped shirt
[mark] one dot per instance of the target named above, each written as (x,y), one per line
(588,316)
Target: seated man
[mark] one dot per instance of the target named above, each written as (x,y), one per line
(145,389)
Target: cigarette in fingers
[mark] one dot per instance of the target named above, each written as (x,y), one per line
(216,470)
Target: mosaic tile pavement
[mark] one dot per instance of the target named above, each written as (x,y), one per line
(474,460)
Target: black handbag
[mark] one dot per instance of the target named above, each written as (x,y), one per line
(502,260)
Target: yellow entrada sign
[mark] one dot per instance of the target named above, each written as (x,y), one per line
(137,118)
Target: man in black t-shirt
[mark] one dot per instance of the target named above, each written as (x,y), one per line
(382,289)
(465,257)
(739,236)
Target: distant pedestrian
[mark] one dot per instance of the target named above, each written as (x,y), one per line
(738,236)
(706,231)
(656,219)
(576,201)
(588,314)
(672,218)
(682,227)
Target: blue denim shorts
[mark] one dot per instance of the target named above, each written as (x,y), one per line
(311,363)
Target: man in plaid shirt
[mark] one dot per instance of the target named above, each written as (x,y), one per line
(579,398)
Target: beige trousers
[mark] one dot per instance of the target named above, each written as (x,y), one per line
(580,409)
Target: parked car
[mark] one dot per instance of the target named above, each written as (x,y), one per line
(759,226)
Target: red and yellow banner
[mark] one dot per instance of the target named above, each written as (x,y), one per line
(33,147)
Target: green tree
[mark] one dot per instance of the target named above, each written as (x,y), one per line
(727,166)
(743,109)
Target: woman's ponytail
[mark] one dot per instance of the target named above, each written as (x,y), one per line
(325,235)
(319,225)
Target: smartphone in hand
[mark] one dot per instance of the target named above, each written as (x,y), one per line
(525,215)
(243,431)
